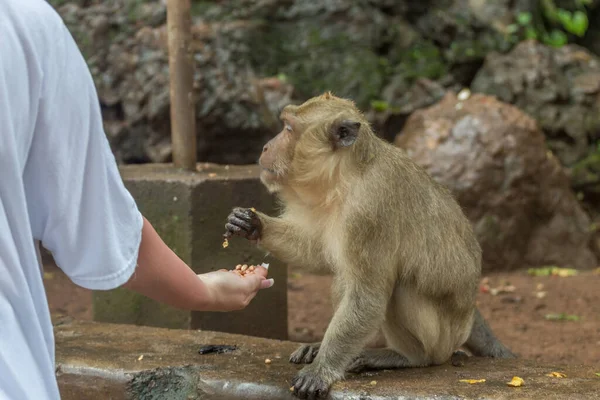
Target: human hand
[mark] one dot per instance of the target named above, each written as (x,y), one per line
(229,291)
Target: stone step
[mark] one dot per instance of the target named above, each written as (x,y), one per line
(114,361)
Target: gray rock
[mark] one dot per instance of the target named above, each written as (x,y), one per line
(493,158)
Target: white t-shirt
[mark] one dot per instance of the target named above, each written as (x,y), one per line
(59,184)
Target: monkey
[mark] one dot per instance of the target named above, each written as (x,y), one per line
(403,255)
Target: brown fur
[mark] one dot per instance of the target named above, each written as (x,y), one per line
(403,254)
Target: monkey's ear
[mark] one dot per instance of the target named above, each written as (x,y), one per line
(344,133)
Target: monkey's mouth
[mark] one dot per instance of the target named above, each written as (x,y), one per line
(270,171)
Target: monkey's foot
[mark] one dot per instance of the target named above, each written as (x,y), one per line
(459,358)
(313,383)
(493,349)
(501,351)
(373,359)
(305,354)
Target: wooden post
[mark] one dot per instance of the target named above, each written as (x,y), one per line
(181,82)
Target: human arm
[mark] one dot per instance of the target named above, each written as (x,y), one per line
(161,275)
(82,212)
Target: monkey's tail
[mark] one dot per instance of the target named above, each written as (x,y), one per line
(483,343)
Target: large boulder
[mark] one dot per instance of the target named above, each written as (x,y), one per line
(494,159)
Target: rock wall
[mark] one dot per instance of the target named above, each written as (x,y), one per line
(560,88)
(371,51)
(124,43)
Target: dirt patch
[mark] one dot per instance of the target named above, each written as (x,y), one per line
(518,317)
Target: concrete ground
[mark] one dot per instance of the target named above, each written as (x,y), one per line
(103,361)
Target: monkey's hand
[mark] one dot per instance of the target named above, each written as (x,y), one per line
(313,382)
(245,223)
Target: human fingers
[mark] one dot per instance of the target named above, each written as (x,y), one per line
(262,270)
(267,283)
(258,281)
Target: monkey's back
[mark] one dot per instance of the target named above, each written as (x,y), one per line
(419,223)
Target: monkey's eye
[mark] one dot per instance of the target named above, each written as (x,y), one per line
(343,132)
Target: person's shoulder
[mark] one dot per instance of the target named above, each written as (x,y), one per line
(34,17)
(40,10)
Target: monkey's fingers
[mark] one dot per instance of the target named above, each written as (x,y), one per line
(244,213)
(310,387)
(242,223)
(305,354)
(236,230)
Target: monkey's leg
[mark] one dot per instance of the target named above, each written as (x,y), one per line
(306,353)
(483,343)
(361,311)
(373,359)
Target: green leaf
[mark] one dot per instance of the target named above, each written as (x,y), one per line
(562,317)
(556,38)
(530,33)
(597,373)
(512,28)
(552,271)
(379,105)
(524,18)
(579,23)
(564,17)
(282,77)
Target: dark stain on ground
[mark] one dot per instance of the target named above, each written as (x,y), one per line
(217,349)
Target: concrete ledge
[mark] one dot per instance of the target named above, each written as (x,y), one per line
(104,361)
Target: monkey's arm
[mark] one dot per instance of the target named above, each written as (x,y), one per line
(280,237)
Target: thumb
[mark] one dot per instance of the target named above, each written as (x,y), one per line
(266,283)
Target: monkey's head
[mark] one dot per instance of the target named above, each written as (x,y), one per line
(319,139)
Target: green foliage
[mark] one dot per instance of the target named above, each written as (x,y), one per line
(551,25)
(585,173)
(380,105)
(422,60)
(562,317)
(552,271)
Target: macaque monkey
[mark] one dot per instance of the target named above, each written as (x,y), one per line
(403,255)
